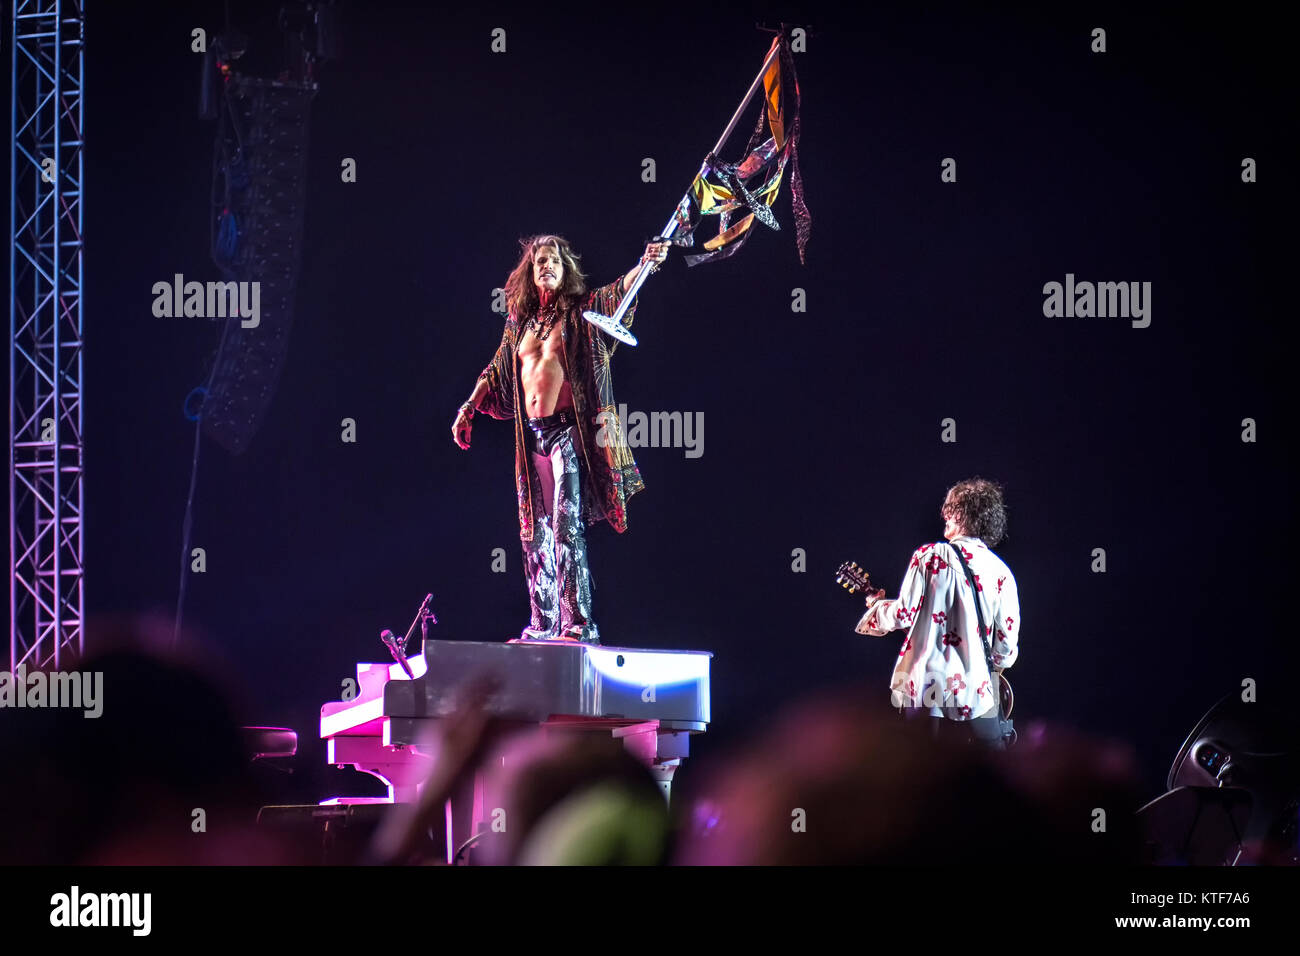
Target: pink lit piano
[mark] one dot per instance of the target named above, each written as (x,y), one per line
(652,700)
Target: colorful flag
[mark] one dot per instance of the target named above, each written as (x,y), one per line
(748,188)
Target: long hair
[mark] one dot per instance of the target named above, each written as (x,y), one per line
(980,509)
(521,292)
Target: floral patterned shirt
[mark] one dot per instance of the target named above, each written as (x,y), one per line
(610,474)
(940,665)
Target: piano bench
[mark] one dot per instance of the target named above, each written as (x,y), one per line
(263,743)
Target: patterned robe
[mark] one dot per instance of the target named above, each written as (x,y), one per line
(610,475)
(942,646)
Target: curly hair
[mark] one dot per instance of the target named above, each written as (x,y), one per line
(980,509)
(521,292)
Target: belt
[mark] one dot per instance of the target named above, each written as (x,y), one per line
(565,417)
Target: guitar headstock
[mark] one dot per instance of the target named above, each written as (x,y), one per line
(852,578)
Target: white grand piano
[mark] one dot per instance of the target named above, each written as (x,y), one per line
(651,700)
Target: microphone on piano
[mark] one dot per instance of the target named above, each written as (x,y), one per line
(390,639)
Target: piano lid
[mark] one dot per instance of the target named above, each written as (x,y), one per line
(539,681)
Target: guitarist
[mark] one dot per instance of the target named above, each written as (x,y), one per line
(941,671)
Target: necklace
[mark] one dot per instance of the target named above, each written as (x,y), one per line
(543,322)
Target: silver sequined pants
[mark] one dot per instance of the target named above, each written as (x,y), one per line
(555,561)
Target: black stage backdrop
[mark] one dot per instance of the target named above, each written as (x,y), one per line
(924,301)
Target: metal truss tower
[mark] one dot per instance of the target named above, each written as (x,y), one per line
(46,495)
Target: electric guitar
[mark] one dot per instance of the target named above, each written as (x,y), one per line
(853,579)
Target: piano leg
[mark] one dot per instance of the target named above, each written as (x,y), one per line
(464,809)
(660,751)
(472,808)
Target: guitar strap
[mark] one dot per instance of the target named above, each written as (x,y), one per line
(986,634)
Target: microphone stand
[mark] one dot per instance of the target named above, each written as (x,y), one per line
(398,648)
(613,324)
